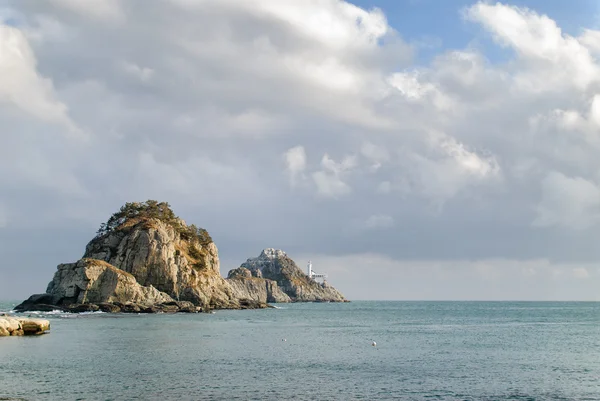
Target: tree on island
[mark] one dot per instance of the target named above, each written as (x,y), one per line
(152,209)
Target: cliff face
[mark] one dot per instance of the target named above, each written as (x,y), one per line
(156,253)
(274,265)
(95,281)
(256,288)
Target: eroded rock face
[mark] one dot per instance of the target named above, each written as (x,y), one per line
(155,254)
(95,281)
(274,265)
(245,285)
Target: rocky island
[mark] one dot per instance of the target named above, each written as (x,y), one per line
(274,277)
(145,259)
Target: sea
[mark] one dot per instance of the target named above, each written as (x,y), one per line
(314,351)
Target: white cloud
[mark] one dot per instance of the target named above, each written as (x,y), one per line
(558,59)
(142,73)
(379,221)
(329,180)
(330,185)
(579,126)
(295,160)
(571,202)
(22,86)
(581,273)
(447,169)
(376,155)
(337,24)
(209,116)
(591,39)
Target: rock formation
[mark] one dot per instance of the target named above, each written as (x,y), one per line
(146,259)
(274,269)
(19,326)
(248,286)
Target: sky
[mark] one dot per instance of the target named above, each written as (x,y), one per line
(413,150)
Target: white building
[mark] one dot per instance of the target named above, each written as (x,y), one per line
(313,274)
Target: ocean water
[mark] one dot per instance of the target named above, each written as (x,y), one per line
(425,351)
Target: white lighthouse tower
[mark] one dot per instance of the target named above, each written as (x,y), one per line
(314,275)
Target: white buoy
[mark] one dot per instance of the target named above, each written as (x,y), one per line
(374,344)
(283,339)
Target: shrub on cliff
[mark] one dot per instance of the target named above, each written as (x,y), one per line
(151,209)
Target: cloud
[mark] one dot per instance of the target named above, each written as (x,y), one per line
(384,187)
(295,160)
(590,39)
(379,221)
(571,202)
(559,59)
(236,101)
(3,216)
(22,86)
(329,180)
(490,279)
(96,9)
(142,73)
(581,273)
(374,154)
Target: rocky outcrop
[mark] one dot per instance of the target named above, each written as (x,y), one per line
(145,259)
(273,265)
(247,286)
(18,326)
(92,281)
(157,254)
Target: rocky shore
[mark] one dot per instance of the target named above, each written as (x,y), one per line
(145,259)
(20,326)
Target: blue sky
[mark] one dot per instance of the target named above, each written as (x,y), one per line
(439,22)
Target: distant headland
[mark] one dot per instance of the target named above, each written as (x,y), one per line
(145,259)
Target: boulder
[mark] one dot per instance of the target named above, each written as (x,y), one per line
(11,326)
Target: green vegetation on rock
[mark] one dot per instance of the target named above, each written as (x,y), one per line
(134,212)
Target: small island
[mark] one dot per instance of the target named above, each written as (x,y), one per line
(145,259)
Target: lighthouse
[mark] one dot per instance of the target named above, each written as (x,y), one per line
(314,275)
